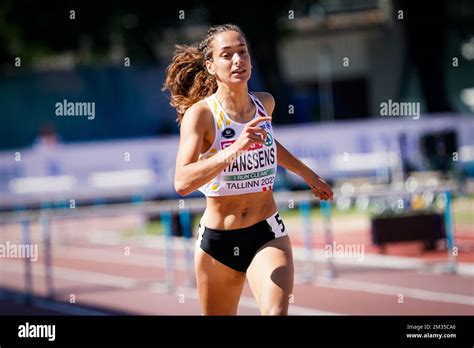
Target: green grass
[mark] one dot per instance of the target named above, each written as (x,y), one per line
(316,213)
(464,218)
(154,228)
(463,210)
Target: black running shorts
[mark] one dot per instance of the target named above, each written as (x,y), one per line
(237,248)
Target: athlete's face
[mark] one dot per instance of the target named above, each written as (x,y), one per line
(230,58)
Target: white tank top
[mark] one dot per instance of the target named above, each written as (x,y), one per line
(252,171)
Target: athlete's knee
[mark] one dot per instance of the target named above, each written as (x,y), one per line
(274,309)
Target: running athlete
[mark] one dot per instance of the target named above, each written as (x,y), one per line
(229,152)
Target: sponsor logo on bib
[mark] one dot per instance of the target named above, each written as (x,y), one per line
(228,133)
(269,140)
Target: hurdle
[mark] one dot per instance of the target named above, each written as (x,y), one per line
(406,197)
(28,298)
(328,238)
(46,228)
(185,221)
(305,212)
(167,225)
(47,216)
(449,228)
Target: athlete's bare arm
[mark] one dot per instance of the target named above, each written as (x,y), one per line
(286,159)
(319,187)
(190,173)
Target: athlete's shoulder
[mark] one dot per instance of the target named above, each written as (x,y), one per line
(267,100)
(198,115)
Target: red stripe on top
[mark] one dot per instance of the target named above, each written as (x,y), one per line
(258,102)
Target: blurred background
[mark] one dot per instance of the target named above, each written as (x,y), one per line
(377,96)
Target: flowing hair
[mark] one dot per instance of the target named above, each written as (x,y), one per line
(187,78)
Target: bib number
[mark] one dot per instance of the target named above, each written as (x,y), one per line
(280,223)
(267,181)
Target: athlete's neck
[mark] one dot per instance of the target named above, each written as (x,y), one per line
(236,103)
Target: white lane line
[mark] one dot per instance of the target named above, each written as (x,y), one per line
(78,276)
(300,253)
(383,289)
(248,302)
(129,283)
(141,260)
(66,308)
(337,283)
(385,261)
(116,257)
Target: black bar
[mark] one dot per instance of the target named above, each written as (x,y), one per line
(191,330)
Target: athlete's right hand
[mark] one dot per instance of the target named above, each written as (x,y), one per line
(252,134)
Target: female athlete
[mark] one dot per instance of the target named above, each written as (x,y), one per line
(229,152)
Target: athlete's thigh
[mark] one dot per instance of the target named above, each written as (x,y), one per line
(271,275)
(219,286)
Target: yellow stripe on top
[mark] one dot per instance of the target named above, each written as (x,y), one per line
(215,106)
(220,120)
(221,117)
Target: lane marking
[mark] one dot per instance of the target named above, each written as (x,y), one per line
(383,289)
(299,254)
(248,302)
(130,283)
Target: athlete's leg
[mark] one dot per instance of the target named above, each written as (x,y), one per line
(270,276)
(219,286)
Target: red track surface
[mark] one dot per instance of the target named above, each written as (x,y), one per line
(102,277)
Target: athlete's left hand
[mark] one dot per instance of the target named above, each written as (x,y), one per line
(320,188)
